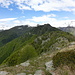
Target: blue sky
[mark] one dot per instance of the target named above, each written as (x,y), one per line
(59,13)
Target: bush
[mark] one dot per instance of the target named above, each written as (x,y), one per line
(64,58)
(22,55)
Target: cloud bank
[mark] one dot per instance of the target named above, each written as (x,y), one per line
(38,5)
(41,5)
(50,18)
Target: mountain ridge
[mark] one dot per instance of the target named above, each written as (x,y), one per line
(42,40)
(36,48)
(69,29)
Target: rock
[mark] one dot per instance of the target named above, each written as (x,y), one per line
(49,65)
(3,73)
(72,43)
(39,72)
(17,65)
(21,74)
(29,74)
(44,41)
(25,63)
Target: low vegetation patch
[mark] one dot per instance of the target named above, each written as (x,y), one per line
(64,58)
(22,55)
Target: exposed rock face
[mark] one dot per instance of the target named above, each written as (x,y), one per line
(3,73)
(25,63)
(39,72)
(72,43)
(29,74)
(69,29)
(49,65)
(21,74)
(44,41)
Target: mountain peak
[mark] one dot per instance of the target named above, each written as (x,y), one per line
(47,25)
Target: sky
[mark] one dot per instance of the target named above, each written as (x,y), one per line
(58,13)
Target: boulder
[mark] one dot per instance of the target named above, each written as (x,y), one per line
(21,74)
(3,73)
(49,65)
(25,63)
(39,72)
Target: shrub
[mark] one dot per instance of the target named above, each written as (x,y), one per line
(64,58)
(22,55)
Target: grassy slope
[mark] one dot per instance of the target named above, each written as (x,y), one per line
(38,63)
(64,58)
(11,49)
(18,43)
(64,62)
(22,55)
(14,45)
(46,41)
(38,47)
(8,35)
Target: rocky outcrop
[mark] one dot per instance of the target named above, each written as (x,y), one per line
(25,63)
(39,72)
(3,73)
(21,74)
(49,67)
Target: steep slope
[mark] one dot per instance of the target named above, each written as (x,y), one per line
(42,29)
(27,38)
(54,40)
(43,64)
(21,55)
(8,35)
(14,45)
(48,41)
(64,61)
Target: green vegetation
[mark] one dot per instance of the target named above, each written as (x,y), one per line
(44,42)
(47,73)
(22,55)
(34,42)
(42,29)
(14,45)
(8,35)
(64,58)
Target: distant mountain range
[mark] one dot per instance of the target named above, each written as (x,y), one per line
(69,29)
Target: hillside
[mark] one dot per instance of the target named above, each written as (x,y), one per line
(15,32)
(35,50)
(43,64)
(21,41)
(69,29)
(8,35)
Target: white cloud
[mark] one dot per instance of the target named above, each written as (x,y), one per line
(6,23)
(43,5)
(10,9)
(50,18)
(43,19)
(22,6)
(5,3)
(16,22)
(7,19)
